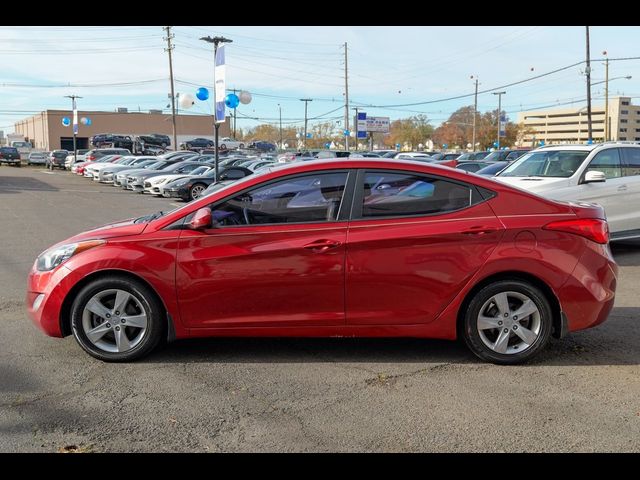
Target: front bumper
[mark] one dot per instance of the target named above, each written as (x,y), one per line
(178,192)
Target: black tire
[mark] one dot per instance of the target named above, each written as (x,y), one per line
(191,197)
(472,336)
(152,306)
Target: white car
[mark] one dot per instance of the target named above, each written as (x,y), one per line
(68,162)
(230,144)
(605,173)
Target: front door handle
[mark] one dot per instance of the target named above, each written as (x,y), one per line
(323,245)
(479,230)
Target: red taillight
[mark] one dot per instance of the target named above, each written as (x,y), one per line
(594,229)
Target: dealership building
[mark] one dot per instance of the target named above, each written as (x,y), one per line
(570,125)
(46,131)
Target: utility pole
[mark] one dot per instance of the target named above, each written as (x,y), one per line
(280,111)
(355,126)
(216,125)
(589,131)
(306,102)
(346,99)
(499,114)
(475,114)
(75,125)
(173,96)
(606,97)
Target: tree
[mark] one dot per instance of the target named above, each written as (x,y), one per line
(410,132)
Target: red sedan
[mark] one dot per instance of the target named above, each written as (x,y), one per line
(370,248)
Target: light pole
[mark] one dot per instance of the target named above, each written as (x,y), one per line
(75,125)
(306,102)
(499,114)
(216,125)
(475,114)
(280,110)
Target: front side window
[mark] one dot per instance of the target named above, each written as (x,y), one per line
(301,199)
(607,162)
(388,194)
(546,163)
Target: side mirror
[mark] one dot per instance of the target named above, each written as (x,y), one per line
(594,176)
(201,220)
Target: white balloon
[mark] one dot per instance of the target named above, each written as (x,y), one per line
(245,97)
(186,101)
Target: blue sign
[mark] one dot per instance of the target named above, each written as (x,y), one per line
(361,125)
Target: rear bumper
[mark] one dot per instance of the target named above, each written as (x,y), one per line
(588,295)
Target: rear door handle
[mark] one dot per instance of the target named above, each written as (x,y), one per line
(323,245)
(479,230)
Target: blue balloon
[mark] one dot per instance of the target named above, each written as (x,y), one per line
(66,121)
(231,100)
(202,93)
(88,121)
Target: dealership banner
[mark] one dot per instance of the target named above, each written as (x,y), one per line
(220,88)
(75,118)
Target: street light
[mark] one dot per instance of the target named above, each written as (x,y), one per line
(280,110)
(216,125)
(499,114)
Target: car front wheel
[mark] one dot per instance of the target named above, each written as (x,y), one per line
(508,322)
(196,191)
(116,319)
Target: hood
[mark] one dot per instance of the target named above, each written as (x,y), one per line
(123,228)
(535,184)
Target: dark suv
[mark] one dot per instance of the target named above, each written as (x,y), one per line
(156,139)
(116,141)
(96,153)
(10,155)
(56,159)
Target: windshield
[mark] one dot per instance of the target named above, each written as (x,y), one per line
(200,170)
(546,163)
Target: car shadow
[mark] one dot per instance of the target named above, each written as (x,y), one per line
(615,342)
(20,184)
(626,253)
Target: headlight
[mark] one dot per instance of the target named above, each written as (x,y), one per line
(178,183)
(54,257)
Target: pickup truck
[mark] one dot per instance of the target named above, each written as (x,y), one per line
(10,155)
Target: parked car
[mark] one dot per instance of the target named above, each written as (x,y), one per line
(228,143)
(472,166)
(56,159)
(189,189)
(197,143)
(106,175)
(96,153)
(516,154)
(37,158)
(137,182)
(263,146)
(493,168)
(10,156)
(112,140)
(71,159)
(470,156)
(445,255)
(332,154)
(155,184)
(608,174)
(498,155)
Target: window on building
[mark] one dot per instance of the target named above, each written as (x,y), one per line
(623,120)
(623,130)
(637,139)
(625,103)
(622,139)
(624,112)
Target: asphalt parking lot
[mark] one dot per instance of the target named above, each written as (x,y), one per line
(581,394)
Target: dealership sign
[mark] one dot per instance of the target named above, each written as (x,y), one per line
(366,124)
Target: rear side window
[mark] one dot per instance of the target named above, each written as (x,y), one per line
(393,194)
(631,161)
(608,162)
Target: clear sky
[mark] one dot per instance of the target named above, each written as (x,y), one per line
(128,67)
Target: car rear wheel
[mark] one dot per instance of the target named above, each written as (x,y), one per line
(508,322)
(196,191)
(117,319)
